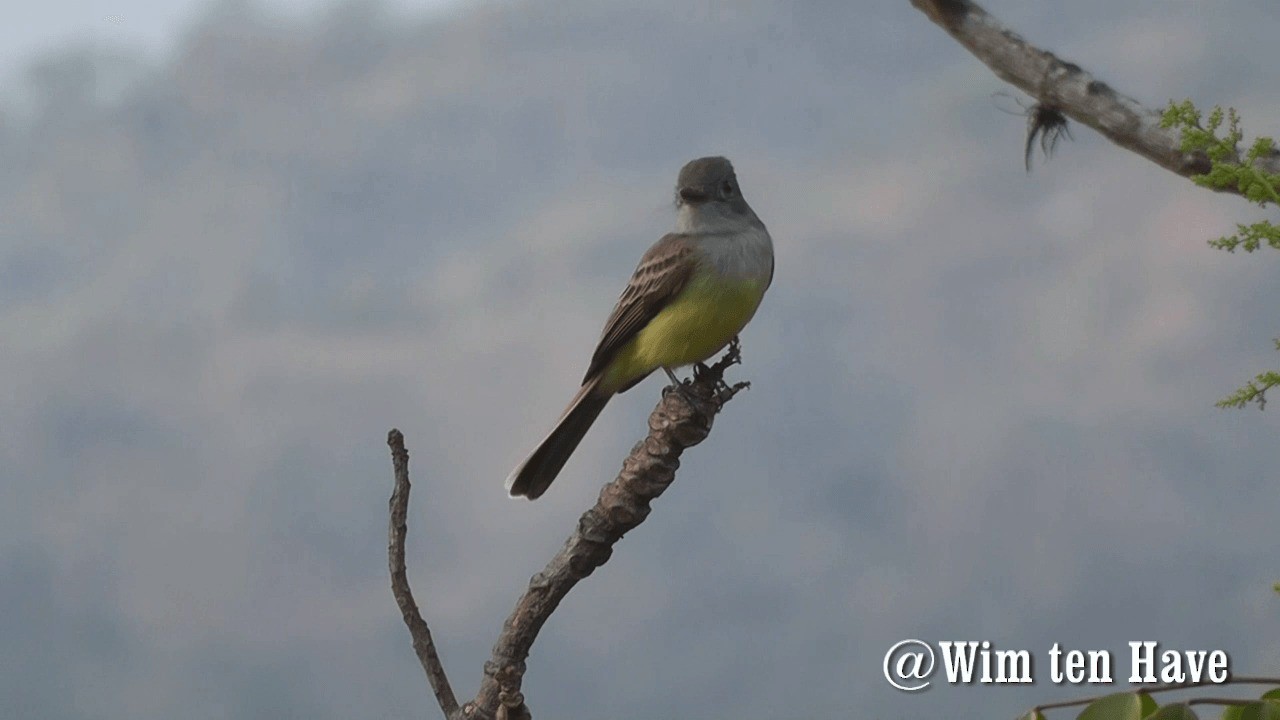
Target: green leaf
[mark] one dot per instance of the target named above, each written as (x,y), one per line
(1176,711)
(1232,712)
(1261,710)
(1033,715)
(1228,170)
(1120,706)
(1254,391)
(1272,694)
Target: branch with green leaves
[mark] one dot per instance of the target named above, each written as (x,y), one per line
(1139,705)
(1218,136)
(1071,91)
(1228,170)
(1178,140)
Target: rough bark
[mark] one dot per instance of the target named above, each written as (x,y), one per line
(1067,88)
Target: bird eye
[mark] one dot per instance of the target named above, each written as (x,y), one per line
(727,187)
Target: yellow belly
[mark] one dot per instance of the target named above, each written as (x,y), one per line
(700,321)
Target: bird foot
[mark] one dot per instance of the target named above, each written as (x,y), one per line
(681,387)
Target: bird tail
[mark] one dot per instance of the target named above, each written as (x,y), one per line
(533,476)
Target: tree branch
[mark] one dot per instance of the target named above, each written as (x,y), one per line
(681,420)
(1069,89)
(423,645)
(1172,687)
(1238,702)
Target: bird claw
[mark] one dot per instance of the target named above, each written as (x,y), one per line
(720,389)
(680,386)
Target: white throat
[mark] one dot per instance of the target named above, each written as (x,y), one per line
(730,243)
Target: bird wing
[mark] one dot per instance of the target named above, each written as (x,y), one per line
(661,275)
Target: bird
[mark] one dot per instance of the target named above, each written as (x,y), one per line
(692,293)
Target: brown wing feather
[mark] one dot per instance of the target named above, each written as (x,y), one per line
(660,276)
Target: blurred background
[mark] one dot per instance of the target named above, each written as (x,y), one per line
(240,241)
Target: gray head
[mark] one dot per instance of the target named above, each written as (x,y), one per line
(707,179)
(709,199)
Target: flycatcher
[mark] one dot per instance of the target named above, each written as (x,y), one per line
(692,293)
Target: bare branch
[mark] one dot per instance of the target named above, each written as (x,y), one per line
(681,420)
(1065,87)
(423,645)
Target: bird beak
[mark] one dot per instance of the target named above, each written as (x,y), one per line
(692,195)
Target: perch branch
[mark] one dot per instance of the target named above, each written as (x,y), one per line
(681,420)
(1065,87)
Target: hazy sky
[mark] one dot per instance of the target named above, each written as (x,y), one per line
(152,26)
(982,400)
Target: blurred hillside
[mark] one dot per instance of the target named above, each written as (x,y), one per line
(982,401)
